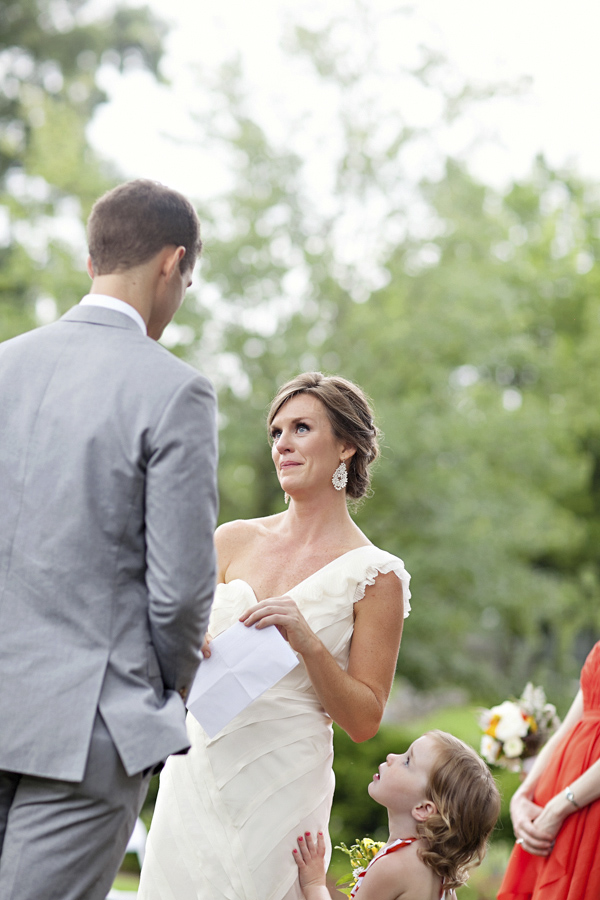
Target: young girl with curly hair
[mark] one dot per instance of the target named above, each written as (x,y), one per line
(442,804)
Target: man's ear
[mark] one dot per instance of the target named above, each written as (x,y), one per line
(172,260)
(90,268)
(424,810)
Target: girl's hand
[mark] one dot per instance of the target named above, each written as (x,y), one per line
(289,621)
(310,859)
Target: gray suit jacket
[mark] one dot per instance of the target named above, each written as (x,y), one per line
(108,505)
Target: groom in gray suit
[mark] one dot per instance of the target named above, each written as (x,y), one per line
(107,510)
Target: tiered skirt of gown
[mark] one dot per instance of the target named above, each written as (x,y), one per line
(228,813)
(572,870)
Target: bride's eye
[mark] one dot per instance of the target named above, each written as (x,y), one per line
(302,426)
(275,435)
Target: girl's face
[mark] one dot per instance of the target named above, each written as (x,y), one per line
(401,781)
(305,451)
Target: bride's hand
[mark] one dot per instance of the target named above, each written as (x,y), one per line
(205,648)
(289,621)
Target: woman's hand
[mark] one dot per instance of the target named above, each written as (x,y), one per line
(354,697)
(530,824)
(205,649)
(287,618)
(550,821)
(310,859)
(523,811)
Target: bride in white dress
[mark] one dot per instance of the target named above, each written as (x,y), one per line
(228,813)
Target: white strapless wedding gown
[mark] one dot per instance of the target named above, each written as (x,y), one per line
(229,812)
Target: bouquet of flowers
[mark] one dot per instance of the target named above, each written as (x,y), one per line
(517,729)
(360,855)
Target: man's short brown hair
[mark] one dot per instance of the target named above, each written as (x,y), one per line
(134,221)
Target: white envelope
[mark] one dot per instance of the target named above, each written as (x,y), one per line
(243,664)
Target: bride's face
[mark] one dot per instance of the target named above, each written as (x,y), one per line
(305,451)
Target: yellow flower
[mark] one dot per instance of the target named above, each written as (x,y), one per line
(491,729)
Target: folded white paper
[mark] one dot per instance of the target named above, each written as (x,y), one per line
(243,663)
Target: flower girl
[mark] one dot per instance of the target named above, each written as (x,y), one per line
(442,804)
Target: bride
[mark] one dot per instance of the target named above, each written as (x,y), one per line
(228,812)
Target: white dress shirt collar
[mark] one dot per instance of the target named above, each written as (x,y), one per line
(116,304)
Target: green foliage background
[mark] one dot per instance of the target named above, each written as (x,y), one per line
(474,326)
(50,54)
(479,349)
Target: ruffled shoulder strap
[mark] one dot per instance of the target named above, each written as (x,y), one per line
(366,563)
(345,579)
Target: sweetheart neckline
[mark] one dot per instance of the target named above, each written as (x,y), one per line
(304,580)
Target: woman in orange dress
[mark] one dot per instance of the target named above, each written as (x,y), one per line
(556,811)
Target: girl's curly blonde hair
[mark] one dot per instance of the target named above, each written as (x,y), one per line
(468,805)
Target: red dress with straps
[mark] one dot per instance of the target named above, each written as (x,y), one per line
(572,870)
(389,848)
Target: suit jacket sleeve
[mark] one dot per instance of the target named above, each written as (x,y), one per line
(180,519)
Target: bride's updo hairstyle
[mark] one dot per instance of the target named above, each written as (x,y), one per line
(351,418)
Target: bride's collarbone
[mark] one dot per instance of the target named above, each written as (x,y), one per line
(276,580)
(275,574)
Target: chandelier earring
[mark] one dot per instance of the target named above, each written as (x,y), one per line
(340,477)
(286,497)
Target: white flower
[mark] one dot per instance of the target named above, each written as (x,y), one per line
(490,749)
(485,718)
(511,722)
(533,698)
(506,726)
(513,747)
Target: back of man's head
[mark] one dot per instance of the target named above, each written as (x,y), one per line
(130,224)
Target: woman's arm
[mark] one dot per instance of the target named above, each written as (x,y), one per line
(355,698)
(227,539)
(523,811)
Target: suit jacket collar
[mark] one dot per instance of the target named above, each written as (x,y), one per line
(99,315)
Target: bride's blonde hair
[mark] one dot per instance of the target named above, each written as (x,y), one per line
(468,805)
(350,415)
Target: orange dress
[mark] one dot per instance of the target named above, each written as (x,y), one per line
(572,870)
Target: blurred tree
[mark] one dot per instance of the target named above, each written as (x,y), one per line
(484,471)
(470,316)
(469,324)
(50,54)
